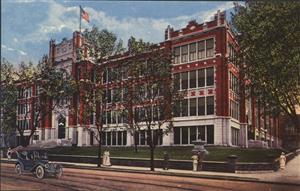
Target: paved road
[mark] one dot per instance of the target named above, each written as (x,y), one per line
(82,179)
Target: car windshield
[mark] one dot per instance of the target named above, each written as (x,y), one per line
(40,155)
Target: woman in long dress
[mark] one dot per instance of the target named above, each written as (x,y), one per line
(106,158)
(282,161)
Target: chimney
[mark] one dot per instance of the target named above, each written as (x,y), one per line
(168,32)
(52,50)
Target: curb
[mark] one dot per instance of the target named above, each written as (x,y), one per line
(177,174)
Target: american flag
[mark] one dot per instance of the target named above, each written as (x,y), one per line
(84,14)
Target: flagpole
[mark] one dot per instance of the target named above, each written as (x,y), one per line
(79,19)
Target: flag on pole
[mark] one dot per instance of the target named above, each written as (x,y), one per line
(84,14)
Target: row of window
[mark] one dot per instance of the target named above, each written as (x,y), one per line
(23,108)
(186,135)
(232,55)
(194,51)
(195,78)
(23,124)
(114,138)
(141,136)
(234,109)
(234,83)
(195,107)
(25,93)
(234,136)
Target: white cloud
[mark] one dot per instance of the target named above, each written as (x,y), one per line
(150,29)
(13,49)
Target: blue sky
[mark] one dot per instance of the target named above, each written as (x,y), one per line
(28,25)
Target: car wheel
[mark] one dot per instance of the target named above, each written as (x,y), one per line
(39,172)
(59,171)
(18,169)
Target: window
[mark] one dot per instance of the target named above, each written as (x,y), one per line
(210,76)
(184,80)
(193,79)
(124,137)
(193,107)
(210,48)
(184,53)
(234,136)
(201,78)
(114,137)
(184,105)
(176,81)
(192,51)
(210,134)
(177,55)
(201,133)
(108,137)
(234,109)
(210,105)
(193,134)
(201,49)
(201,106)
(177,135)
(185,135)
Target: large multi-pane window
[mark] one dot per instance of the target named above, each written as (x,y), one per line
(210,76)
(201,49)
(210,105)
(210,48)
(193,78)
(195,107)
(234,109)
(185,80)
(177,55)
(234,136)
(184,53)
(232,55)
(114,138)
(234,83)
(186,135)
(23,124)
(141,137)
(193,51)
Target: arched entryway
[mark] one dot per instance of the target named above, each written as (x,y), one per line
(61,127)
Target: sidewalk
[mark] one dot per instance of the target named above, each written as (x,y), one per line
(291,175)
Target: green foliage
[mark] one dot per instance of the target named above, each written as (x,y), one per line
(102,43)
(269,37)
(8,100)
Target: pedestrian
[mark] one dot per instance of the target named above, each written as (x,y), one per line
(195,162)
(166,160)
(106,158)
(282,161)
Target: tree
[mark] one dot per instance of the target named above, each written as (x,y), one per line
(151,96)
(269,38)
(101,44)
(51,85)
(8,99)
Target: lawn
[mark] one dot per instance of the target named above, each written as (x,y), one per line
(175,152)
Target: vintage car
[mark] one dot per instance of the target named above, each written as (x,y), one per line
(35,160)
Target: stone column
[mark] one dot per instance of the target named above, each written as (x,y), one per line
(79,129)
(168,139)
(244,135)
(129,139)
(47,134)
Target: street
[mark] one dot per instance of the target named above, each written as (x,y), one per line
(82,179)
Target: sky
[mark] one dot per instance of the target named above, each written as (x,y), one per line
(28,25)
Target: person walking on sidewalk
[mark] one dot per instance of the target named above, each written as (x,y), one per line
(106,158)
(195,162)
(282,161)
(166,160)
